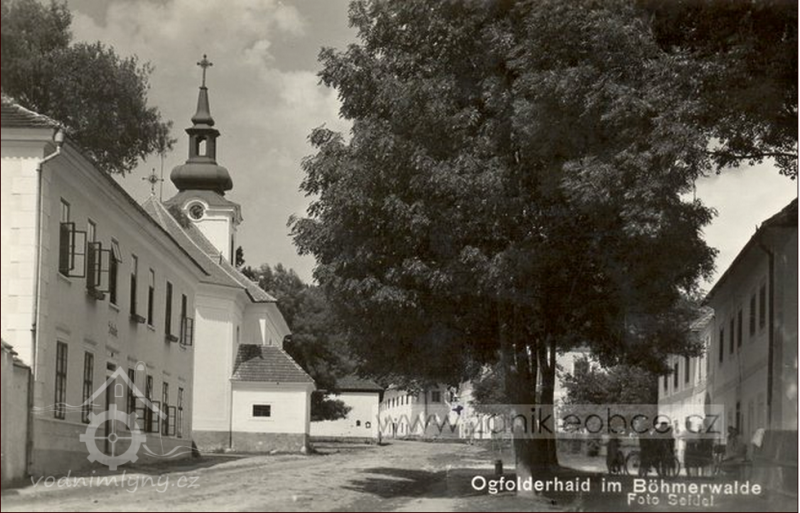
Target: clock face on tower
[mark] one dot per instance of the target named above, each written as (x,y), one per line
(196,211)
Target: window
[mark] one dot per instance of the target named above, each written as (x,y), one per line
(179,420)
(71,245)
(436,396)
(187,324)
(131,395)
(675,376)
(687,369)
(184,303)
(165,405)
(762,306)
(134,276)
(666,384)
(262,410)
(752,316)
(149,418)
(168,311)
(88,385)
(151,291)
(739,328)
(61,381)
(721,344)
(113,267)
(732,342)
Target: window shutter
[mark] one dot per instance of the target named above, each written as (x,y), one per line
(64,242)
(71,251)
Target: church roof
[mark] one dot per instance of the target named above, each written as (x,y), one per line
(192,240)
(257,363)
(15,115)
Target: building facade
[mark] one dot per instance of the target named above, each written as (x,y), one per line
(249,393)
(363,397)
(753,356)
(748,372)
(90,284)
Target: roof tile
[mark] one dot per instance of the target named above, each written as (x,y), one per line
(267,364)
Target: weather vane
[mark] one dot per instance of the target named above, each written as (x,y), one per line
(205,63)
(153,179)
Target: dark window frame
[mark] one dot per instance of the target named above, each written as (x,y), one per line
(88,385)
(151,299)
(62,358)
(168,309)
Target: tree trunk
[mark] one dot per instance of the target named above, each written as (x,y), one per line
(533,442)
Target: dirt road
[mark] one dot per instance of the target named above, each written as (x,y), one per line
(400,476)
(406,476)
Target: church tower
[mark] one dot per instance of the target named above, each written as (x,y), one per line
(202,183)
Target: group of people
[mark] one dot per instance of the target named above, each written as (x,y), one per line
(657,452)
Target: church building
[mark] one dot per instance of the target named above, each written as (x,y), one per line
(249,395)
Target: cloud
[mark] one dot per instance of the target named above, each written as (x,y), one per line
(265,113)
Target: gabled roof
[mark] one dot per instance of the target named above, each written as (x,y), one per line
(192,240)
(267,364)
(786,218)
(15,115)
(354,383)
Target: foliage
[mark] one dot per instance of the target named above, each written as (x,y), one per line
(746,53)
(620,384)
(514,185)
(99,96)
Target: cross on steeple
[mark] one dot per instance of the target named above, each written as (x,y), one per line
(153,179)
(205,63)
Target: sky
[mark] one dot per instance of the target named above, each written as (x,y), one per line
(266,98)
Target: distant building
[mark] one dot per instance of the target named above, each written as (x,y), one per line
(91,285)
(363,397)
(428,413)
(684,393)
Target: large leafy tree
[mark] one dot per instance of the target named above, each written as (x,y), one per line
(99,96)
(515,184)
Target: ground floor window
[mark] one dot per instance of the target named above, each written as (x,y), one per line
(262,410)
